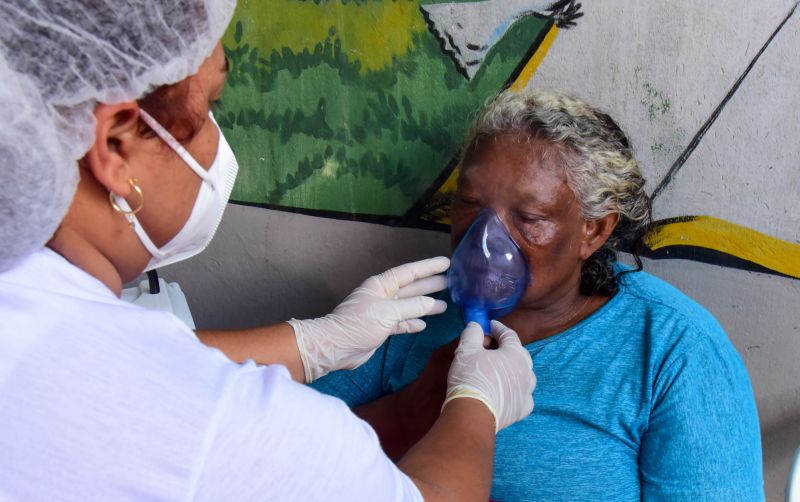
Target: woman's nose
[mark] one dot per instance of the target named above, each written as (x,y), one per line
(506,217)
(503,215)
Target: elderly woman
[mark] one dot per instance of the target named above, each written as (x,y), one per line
(641,395)
(111,164)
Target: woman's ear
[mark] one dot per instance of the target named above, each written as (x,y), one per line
(116,132)
(596,233)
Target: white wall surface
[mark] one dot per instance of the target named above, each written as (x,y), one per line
(662,68)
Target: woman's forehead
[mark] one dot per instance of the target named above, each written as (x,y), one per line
(525,174)
(517,159)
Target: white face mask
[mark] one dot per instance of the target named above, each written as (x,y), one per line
(215,190)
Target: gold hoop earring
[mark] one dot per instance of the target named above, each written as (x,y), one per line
(128,214)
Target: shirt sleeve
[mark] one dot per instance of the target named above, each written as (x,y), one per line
(372,379)
(274,439)
(703,440)
(359,386)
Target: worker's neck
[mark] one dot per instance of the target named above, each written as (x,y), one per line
(99,240)
(80,252)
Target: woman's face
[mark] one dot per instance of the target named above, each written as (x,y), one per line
(522,181)
(169,186)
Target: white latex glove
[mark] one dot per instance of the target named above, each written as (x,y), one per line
(385,304)
(501,378)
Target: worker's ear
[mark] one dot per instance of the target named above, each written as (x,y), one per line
(115,135)
(596,233)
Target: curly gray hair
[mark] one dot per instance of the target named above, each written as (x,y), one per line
(598,161)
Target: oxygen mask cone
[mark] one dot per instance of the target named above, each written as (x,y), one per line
(488,273)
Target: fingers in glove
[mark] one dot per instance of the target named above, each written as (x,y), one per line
(504,334)
(410,326)
(528,405)
(508,339)
(532,387)
(395,278)
(419,306)
(438,308)
(472,337)
(424,286)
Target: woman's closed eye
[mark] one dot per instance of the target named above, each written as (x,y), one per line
(467,200)
(529,218)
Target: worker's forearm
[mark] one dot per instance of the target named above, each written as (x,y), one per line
(454,460)
(273,344)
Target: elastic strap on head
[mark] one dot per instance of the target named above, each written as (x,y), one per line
(148,243)
(173,143)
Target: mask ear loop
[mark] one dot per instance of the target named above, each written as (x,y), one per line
(173,143)
(129,214)
(152,275)
(119,204)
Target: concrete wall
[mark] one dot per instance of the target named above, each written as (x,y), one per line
(708,94)
(267,266)
(662,69)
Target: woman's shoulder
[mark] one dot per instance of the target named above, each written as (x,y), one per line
(663,302)
(650,312)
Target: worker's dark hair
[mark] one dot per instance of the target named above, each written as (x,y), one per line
(169,105)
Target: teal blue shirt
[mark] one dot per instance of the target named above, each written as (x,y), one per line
(644,399)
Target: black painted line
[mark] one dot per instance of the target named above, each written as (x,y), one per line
(681,160)
(378,219)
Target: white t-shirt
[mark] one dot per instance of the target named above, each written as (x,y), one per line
(103,400)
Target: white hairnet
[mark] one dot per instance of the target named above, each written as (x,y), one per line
(58,59)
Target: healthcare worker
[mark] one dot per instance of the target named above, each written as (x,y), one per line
(112,164)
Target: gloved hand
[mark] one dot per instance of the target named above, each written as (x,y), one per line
(502,378)
(385,304)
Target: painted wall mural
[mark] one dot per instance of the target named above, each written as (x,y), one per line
(355,109)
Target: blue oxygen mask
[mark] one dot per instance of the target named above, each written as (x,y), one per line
(488,273)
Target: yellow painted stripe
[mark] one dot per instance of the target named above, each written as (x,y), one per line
(451,184)
(527,73)
(372,33)
(720,235)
